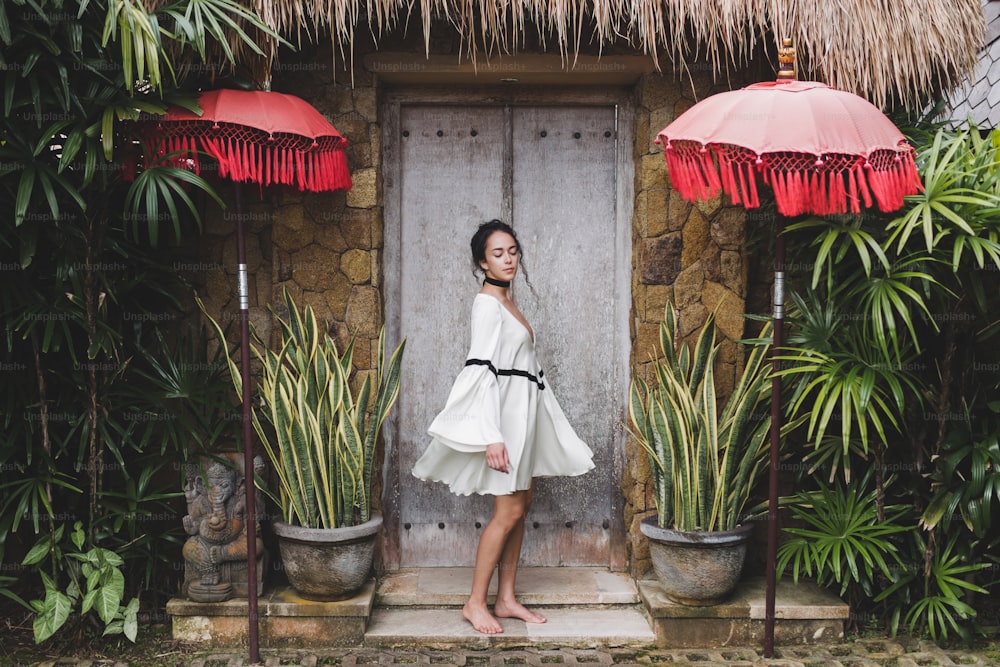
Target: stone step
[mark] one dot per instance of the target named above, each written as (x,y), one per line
(536,586)
(567,627)
(585,607)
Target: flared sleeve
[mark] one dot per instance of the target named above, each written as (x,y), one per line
(470,419)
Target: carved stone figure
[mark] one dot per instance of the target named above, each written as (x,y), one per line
(215,553)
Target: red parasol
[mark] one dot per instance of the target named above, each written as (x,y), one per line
(822,151)
(262,137)
(265,138)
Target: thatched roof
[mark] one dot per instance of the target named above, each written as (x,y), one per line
(978,100)
(884,50)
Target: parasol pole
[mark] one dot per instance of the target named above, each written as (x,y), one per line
(787,72)
(248,468)
(776,418)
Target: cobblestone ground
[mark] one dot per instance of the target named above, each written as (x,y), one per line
(866,653)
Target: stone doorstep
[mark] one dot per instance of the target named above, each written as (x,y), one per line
(804,614)
(284,620)
(537,586)
(585,607)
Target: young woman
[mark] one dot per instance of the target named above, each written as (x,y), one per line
(500,428)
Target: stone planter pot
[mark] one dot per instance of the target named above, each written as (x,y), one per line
(328,564)
(696,568)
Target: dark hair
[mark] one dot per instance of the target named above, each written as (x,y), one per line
(479,239)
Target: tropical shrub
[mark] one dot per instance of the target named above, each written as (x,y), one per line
(87,279)
(892,360)
(320,432)
(95,583)
(705,461)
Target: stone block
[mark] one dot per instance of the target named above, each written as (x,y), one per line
(679,210)
(357,266)
(657,297)
(732,271)
(285,620)
(315,269)
(687,287)
(653,171)
(365,103)
(728,308)
(728,228)
(804,613)
(657,211)
(696,235)
(364,193)
(659,260)
(364,311)
(292,228)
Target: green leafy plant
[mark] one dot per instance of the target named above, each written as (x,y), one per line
(933,602)
(82,273)
(95,583)
(705,461)
(967,476)
(844,542)
(320,433)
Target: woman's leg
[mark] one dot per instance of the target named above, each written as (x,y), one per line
(508,514)
(506,605)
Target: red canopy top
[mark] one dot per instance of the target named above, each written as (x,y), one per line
(258,136)
(821,149)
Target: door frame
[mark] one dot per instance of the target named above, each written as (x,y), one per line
(622,99)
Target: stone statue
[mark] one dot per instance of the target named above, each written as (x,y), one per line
(215,553)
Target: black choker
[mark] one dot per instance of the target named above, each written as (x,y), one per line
(498,283)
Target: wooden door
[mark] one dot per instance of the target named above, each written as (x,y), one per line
(552,171)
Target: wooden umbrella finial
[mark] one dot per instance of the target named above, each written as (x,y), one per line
(786,61)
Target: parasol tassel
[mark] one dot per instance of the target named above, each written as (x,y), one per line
(852,188)
(729,179)
(224,157)
(780,188)
(838,191)
(863,174)
(711,173)
(300,167)
(752,180)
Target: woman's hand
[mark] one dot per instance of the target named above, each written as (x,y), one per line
(496,457)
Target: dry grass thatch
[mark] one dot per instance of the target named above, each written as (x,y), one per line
(885,50)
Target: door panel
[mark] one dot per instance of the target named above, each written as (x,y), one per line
(564,213)
(449,183)
(460,166)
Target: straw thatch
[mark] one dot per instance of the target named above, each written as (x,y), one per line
(885,50)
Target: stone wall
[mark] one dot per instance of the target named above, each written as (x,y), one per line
(689,254)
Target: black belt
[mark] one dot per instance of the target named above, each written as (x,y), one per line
(507,371)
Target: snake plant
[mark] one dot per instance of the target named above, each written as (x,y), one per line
(318,431)
(705,460)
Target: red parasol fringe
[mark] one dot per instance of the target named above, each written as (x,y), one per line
(300,167)
(752,180)
(852,188)
(839,192)
(863,174)
(711,173)
(267,173)
(728,179)
(319,165)
(744,188)
(779,185)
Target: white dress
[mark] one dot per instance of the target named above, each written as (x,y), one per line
(500,396)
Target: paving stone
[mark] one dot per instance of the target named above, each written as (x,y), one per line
(864,653)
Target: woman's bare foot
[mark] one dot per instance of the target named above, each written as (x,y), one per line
(515,609)
(481,619)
